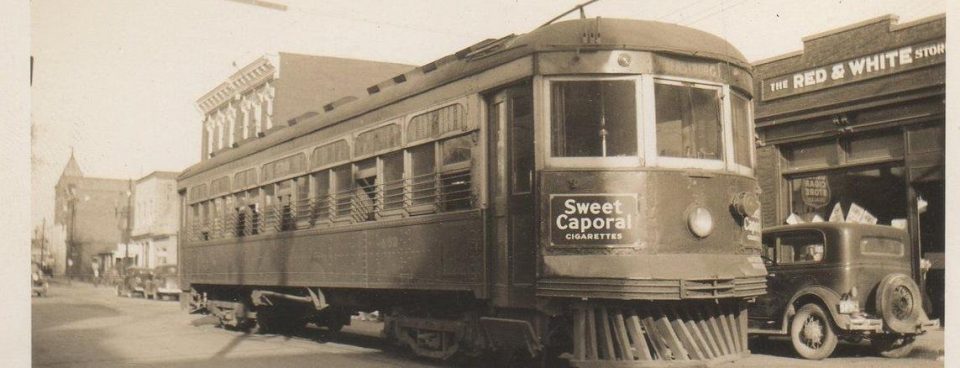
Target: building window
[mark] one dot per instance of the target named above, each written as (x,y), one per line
(874,146)
(593,118)
(688,121)
(878,190)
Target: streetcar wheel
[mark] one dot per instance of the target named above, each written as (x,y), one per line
(811,333)
(893,346)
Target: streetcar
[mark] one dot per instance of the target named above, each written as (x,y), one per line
(584,191)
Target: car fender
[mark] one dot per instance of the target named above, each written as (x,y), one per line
(825,296)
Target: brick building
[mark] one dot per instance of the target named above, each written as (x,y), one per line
(93,213)
(266,94)
(856,120)
(155,220)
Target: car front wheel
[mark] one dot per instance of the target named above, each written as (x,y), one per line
(893,346)
(812,333)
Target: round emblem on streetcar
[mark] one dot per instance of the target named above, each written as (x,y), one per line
(624,60)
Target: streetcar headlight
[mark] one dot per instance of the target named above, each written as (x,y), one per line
(700,222)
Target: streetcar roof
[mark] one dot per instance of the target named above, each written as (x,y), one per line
(580,34)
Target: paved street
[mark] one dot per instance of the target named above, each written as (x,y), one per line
(78,325)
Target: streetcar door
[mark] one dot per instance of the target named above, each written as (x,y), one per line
(510,115)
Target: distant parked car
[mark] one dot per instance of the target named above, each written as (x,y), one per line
(832,281)
(164,283)
(38,281)
(134,281)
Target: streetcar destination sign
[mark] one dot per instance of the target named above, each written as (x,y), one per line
(593,219)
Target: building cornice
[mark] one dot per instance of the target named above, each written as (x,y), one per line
(891,19)
(260,70)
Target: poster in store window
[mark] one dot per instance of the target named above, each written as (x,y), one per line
(837,214)
(856,213)
(815,191)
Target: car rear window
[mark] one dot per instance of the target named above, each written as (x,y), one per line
(799,247)
(876,246)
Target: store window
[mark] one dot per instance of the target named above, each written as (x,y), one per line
(875,145)
(688,121)
(593,118)
(878,190)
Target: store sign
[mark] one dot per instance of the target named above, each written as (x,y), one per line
(815,191)
(593,219)
(857,69)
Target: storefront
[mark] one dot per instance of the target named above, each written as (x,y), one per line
(852,128)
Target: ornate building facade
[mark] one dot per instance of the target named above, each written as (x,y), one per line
(269,93)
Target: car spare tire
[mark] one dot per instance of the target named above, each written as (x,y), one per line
(899,303)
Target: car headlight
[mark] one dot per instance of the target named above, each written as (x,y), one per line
(700,222)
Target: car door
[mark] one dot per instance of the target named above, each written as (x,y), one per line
(795,261)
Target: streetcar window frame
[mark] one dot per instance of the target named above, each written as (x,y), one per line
(733,165)
(650,116)
(597,161)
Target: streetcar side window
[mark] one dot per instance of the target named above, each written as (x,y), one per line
(301,208)
(688,121)
(423,170)
(393,181)
(365,198)
(455,187)
(343,187)
(320,206)
(742,134)
(240,214)
(593,118)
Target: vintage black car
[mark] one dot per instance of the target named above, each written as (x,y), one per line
(134,281)
(832,281)
(164,283)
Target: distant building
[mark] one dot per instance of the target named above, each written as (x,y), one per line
(155,220)
(266,94)
(93,213)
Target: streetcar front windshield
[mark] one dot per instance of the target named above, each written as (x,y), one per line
(689,121)
(593,118)
(652,121)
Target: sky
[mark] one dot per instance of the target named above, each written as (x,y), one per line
(116,81)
